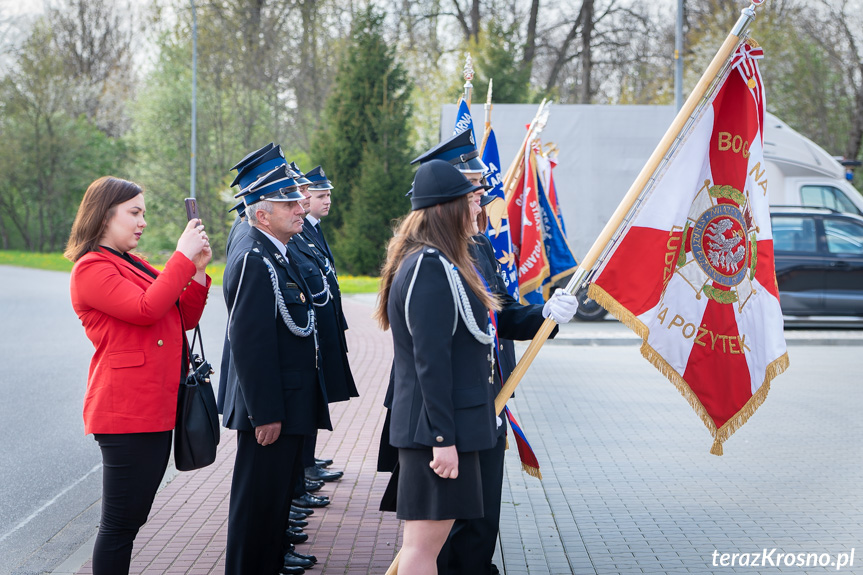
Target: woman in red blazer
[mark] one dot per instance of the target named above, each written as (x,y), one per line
(135,316)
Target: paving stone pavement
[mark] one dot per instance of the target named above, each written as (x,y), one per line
(630,487)
(628,483)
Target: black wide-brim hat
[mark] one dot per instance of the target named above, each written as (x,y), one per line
(437,182)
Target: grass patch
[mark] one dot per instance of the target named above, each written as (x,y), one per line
(51,261)
(358,284)
(56,262)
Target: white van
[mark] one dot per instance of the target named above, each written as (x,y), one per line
(801,173)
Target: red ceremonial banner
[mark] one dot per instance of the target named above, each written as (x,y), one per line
(525,221)
(693,271)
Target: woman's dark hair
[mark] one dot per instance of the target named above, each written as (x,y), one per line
(447,227)
(98,206)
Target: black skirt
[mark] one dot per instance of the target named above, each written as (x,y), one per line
(423,495)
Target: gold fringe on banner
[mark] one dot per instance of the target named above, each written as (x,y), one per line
(626,317)
(531,471)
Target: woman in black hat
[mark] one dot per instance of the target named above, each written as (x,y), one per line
(437,305)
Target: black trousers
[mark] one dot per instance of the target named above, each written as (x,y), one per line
(310,442)
(133,465)
(261,491)
(470,545)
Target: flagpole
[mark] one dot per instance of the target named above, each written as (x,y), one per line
(536,126)
(731,43)
(487,107)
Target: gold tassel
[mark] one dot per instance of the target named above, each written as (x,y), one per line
(533,471)
(717,448)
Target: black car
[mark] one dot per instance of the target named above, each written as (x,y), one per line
(819,261)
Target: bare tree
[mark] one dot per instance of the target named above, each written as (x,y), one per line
(840,33)
(94,38)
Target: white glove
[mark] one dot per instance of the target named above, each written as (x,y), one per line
(561,306)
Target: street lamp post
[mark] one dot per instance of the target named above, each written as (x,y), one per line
(678,58)
(194,96)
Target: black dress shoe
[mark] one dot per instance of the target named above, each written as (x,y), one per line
(293,550)
(309,500)
(297,516)
(293,529)
(294,560)
(316,473)
(313,485)
(300,509)
(292,570)
(297,523)
(323,462)
(295,538)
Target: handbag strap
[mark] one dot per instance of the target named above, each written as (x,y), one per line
(188,349)
(200,339)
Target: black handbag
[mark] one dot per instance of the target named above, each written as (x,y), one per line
(197,433)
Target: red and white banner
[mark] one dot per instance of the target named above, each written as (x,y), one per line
(693,271)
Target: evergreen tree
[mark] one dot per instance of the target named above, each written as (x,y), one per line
(495,56)
(363,146)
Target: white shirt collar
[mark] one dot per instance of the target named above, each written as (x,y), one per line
(283,249)
(312,220)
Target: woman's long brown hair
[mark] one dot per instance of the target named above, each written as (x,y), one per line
(97,207)
(448,228)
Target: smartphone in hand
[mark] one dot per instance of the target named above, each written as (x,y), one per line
(192,208)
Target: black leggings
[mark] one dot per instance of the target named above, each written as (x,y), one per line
(133,465)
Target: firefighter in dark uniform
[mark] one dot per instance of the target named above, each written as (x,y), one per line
(278,395)
(471,543)
(437,306)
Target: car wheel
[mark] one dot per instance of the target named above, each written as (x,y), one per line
(588,310)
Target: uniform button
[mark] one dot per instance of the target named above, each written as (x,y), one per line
(489,357)
(439,438)
(491,379)
(160,343)
(501,347)
(251,418)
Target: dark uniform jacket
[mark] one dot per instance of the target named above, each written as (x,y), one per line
(315,267)
(275,373)
(443,393)
(515,322)
(239,229)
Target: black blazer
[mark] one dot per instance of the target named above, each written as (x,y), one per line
(275,374)
(239,229)
(311,264)
(443,393)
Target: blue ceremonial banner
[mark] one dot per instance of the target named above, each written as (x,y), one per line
(463,120)
(498,221)
(561,261)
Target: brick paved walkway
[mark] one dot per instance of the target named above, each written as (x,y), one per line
(187,528)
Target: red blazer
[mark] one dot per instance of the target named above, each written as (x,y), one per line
(134,324)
